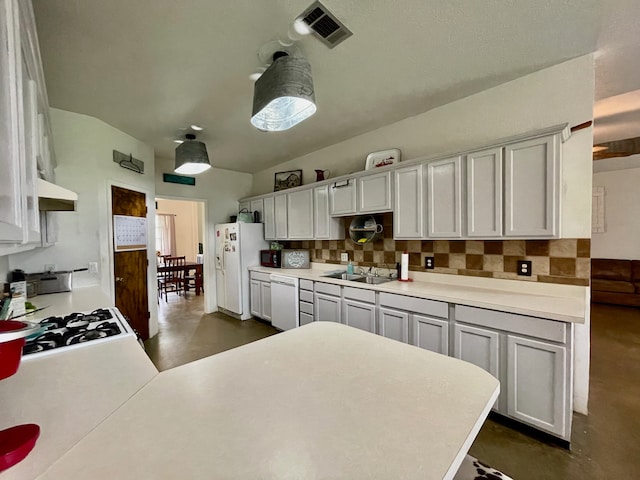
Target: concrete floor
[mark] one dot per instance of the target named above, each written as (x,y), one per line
(605,444)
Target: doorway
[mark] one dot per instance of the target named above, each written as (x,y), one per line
(181,232)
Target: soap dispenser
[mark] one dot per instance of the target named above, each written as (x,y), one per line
(349,268)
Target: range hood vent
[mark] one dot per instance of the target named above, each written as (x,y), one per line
(325,25)
(54,198)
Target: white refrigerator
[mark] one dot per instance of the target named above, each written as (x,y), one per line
(238,247)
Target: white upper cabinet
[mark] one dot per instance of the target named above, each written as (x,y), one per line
(281,216)
(300,214)
(246,205)
(408,217)
(325,227)
(531,187)
(342,197)
(257,205)
(444,198)
(269,218)
(374,193)
(12,216)
(484,193)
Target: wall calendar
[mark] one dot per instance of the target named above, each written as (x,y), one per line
(129,233)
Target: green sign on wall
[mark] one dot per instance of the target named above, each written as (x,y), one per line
(171,178)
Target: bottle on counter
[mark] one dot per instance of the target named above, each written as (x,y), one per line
(349,268)
(398,271)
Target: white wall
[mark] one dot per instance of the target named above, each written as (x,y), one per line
(560,94)
(186,222)
(621,238)
(220,190)
(556,95)
(84,151)
(4,269)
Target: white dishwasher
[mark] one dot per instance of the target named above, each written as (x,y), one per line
(284,302)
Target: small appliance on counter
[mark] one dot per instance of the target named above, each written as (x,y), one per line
(50,282)
(271,258)
(296,259)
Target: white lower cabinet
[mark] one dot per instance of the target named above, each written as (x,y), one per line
(306,302)
(535,373)
(394,324)
(327,308)
(359,315)
(260,291)
(537,384)
(430,333)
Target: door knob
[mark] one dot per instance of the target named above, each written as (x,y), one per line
(119,279)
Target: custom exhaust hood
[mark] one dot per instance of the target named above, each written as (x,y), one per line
(54,198)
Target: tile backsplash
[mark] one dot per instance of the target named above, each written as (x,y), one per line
(565,261)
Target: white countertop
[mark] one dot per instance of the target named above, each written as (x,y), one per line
(556,302)
(79,300)
(321,401)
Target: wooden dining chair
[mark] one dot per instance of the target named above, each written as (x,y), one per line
(172,280)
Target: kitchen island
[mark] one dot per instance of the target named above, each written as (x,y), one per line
(321,401)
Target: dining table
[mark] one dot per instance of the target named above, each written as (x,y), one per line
(321,401)
(186,268)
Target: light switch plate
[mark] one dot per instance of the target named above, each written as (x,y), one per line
(344,257)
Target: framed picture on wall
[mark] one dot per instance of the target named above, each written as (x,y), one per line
(284,180)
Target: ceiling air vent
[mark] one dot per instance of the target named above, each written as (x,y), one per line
(325,25)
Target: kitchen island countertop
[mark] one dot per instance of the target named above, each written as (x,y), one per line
(321,401)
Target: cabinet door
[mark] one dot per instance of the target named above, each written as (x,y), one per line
(480,347)
(484,193)
(430,333)
(374,193)
(256,298)
(280,203)
(327,308)
(359,315)
(12,218)
(394,324)
(258,206)
(408,216)
(300,215)
(321,217)
(269,218)
(531,187)
(444,198)
(30,152)
(343,198)
(265,300)
(538,385)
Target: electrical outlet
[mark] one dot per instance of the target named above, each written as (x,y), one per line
(524,267)
(344,257)
(93,267)
(49,267)
(429,263)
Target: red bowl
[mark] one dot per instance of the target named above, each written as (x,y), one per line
(11,351)
(16,443)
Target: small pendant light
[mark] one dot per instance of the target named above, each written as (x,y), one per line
(191,156)
(283,96)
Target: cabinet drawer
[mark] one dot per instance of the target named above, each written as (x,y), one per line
(361,294)
(327,288)
(511,322)
(306,307)
(305,318)
(263,277)
(412,304)
(306,296)
(306,285)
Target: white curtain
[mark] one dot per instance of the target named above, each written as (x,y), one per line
(166,234)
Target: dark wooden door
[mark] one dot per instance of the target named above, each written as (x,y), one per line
(130,267)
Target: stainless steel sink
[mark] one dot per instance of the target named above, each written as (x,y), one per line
(344,276)
(373,280)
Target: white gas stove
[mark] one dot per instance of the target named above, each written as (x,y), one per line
(77,330)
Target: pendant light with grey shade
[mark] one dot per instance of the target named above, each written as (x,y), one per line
(283,96)
(191,156)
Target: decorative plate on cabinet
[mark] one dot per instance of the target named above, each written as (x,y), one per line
(383,158)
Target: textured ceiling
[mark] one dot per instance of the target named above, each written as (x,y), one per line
(149,67)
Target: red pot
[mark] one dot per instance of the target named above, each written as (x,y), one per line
(10,351)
